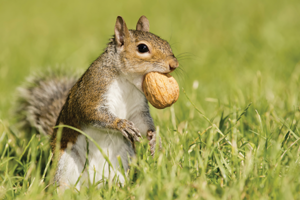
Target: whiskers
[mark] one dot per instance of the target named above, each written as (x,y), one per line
(179,73)
(184,56)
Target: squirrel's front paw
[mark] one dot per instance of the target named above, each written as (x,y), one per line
(129,131)
(151,136)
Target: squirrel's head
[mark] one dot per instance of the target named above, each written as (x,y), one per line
(142,52)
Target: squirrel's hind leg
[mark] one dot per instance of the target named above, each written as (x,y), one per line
(69,168)
(72,161)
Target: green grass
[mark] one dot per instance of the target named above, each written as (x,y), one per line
(215,146)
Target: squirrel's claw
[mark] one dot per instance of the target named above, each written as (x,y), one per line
(151,136)
(129,131)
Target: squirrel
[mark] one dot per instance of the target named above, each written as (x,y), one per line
(107,103)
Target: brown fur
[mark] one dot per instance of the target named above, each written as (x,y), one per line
(82,105)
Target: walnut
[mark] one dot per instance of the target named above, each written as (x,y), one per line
(161,90)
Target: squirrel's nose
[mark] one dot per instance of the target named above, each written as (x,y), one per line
(173,64)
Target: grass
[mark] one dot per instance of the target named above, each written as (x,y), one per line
(234,132)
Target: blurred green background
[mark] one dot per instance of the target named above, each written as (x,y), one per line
(229,47)
(231,53)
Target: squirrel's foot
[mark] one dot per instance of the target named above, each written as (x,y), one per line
(129,131)
(151,136)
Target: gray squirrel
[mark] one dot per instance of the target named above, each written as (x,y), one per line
(106,102)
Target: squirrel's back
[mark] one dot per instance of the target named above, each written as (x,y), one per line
(41,100)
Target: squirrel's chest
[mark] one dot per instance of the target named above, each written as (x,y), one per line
(124,99)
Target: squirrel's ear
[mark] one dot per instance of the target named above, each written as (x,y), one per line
(143,24)
(121,31)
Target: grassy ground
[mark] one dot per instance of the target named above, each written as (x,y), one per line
(234,135)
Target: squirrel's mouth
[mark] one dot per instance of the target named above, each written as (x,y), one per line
(172,70)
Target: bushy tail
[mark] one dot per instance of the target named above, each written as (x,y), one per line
(41,100)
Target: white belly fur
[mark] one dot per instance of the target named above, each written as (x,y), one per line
(124,101)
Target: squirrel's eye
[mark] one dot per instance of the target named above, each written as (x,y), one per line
(143,48)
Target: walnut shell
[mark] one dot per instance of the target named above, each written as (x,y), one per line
(161,90)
